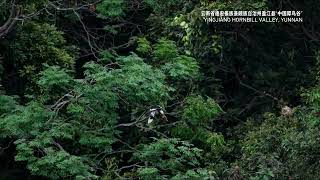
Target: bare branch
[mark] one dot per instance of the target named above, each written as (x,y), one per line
(11,21)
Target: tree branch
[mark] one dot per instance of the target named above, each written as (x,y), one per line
(11,21)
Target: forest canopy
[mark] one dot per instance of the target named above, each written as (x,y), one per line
(146,89)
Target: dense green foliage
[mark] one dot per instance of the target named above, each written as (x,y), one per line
(145,89)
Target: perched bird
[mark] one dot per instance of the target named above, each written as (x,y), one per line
(286,111)
(156,112)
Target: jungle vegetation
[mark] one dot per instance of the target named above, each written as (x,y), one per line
(145,89)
